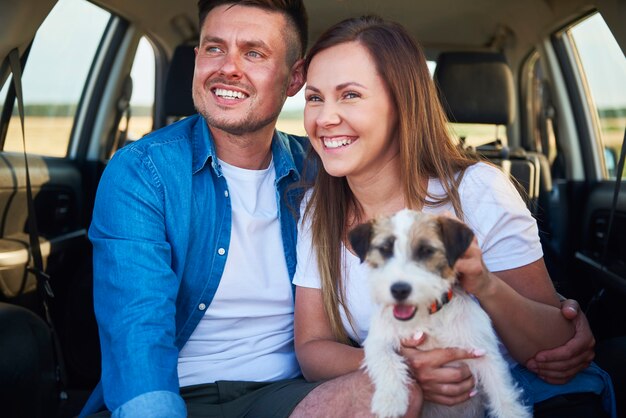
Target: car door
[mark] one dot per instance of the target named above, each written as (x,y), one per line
(575,106)
(577,88)
(57,66)
(598,68)
(77,63)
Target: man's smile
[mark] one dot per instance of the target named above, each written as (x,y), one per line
(229,94)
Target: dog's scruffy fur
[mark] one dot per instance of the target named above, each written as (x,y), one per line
(414,286)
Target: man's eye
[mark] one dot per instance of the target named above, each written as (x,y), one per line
(213,49)
(254,54)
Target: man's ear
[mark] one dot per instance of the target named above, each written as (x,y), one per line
(456,237)
(360,238)
(296,79)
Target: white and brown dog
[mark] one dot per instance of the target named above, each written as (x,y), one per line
(414,287)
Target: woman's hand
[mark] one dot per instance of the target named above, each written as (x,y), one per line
(441,376)
(559,365)
(472,272)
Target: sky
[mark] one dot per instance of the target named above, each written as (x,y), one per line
(46,77)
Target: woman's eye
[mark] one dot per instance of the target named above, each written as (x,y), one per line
(351,95)
(313,98)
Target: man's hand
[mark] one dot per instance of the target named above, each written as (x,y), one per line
(440,381)
(559,365)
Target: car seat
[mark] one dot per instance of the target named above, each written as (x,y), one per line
(477,87)
(177,100)
(28,384)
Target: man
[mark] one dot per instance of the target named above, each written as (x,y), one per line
(194,245)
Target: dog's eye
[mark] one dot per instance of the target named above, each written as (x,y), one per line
(386,248)
(423,251)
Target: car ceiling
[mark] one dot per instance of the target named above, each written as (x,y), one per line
(441,24)
(513,26)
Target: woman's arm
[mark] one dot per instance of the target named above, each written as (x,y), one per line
(521,303)
(559,365)
(320,356)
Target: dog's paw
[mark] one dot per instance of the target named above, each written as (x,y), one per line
(507,404)
(512,410)
(390,404)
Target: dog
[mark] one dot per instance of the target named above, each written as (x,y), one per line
(414,288)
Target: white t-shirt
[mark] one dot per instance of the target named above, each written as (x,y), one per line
(506,232)
(247,330)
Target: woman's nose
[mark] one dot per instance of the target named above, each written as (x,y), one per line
(328,116)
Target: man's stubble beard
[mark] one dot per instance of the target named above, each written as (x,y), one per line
(248,124)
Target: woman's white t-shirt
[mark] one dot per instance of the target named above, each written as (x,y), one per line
(506,232)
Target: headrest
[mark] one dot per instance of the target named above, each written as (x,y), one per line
(178,100)
(475,87)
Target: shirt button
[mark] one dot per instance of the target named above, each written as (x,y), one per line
(202,306)
(226,193)
(221,251)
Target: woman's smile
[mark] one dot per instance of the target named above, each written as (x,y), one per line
(338,141)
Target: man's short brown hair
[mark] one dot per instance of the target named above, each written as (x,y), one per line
(293,10)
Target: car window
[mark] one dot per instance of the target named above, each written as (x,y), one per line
(477,134)
(603,66)
(291,118)
(54,77)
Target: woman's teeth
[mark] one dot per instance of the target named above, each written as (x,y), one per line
(336,143)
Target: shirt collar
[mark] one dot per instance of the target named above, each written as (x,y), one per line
(204,151)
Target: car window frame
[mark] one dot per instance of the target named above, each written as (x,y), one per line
(585,117)
(95,87)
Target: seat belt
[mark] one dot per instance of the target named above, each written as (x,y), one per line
(618,182)
(117,138)
(37,269)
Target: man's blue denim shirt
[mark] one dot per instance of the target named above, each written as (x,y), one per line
(161,232)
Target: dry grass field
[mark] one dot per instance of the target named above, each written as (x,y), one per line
(50,136)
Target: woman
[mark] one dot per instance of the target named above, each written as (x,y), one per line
(379,132)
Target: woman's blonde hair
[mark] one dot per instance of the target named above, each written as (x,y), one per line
(426,148)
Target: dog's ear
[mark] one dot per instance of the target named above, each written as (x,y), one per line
(360,238)
(456,237)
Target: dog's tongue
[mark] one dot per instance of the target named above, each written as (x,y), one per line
(403,312)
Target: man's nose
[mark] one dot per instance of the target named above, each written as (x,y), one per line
(231,66)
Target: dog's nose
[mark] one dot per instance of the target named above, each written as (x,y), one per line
(400,290)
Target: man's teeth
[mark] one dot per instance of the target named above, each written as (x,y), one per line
(229,94)
(336,143)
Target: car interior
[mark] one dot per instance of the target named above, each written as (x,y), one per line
(536,87)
